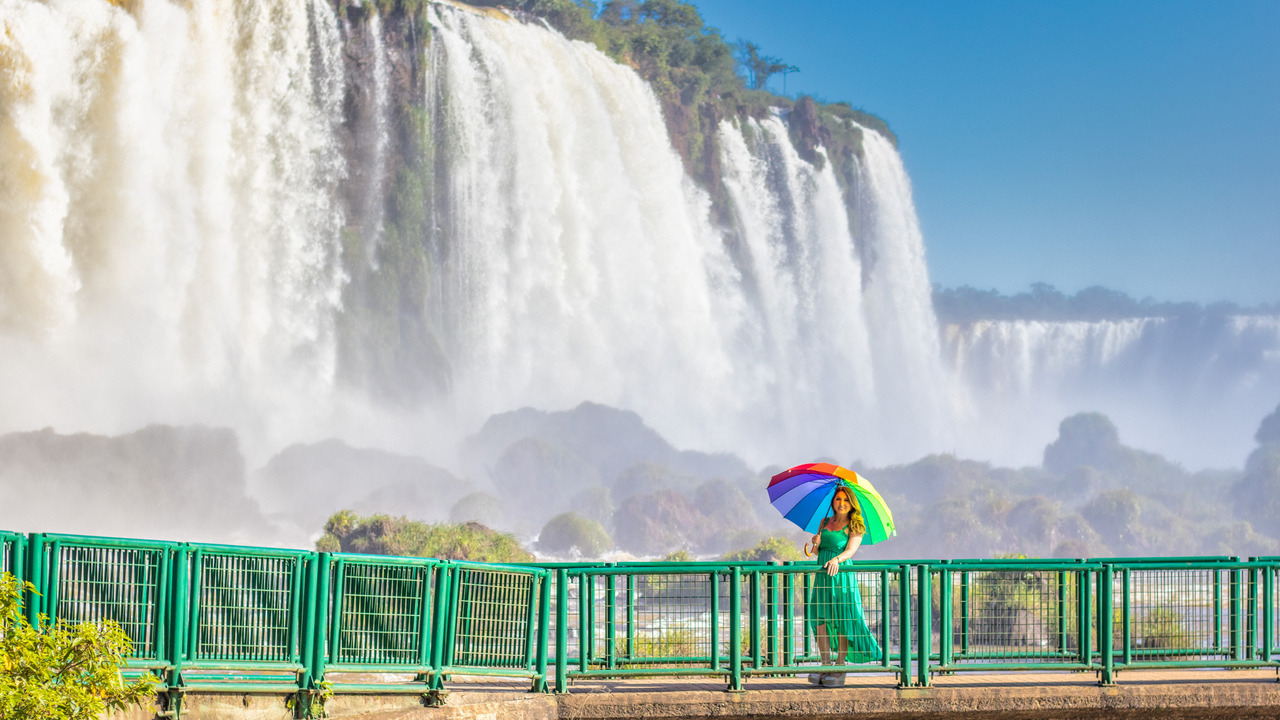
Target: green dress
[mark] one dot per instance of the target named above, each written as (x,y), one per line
(836,603)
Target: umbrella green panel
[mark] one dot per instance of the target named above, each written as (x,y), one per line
(1011,616)
(89,579)
(245,616)
(495,621)
(378,618)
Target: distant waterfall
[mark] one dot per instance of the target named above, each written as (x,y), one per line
(1193,386)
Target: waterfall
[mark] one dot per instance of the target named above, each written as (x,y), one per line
(203,220)
(170,246)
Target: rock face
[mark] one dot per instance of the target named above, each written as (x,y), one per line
(173,483)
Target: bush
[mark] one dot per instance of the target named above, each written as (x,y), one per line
(62,671)
(774,548)
(386,535)
(570,533)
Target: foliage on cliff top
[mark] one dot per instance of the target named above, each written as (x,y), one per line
(386,535)
(62,671)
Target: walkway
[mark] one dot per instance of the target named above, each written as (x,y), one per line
(1163,694)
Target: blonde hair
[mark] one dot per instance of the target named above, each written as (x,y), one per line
(856,524)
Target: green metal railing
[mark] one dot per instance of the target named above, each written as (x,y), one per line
(217,618)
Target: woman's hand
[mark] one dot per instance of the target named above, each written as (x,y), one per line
(833,566)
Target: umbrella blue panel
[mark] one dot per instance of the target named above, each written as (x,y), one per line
(792,497)
(778,490)
(809,512)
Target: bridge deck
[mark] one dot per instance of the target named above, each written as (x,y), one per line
(1163,694)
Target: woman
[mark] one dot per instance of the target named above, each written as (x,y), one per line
(834,603)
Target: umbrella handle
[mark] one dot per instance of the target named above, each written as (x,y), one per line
(807,551)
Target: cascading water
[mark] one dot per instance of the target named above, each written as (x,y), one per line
(195,203)
(170,234)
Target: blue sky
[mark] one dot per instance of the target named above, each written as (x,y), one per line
(1130,144)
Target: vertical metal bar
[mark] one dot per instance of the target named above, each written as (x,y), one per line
(531,634)
(1268,613)
(924,604)
(715,619)
(611,588)
(1062,612)
(1251,615)
(1217,610)
(544,622)
(768,609)
(946,646)
(805,580)
(964,613)
(335,620)
(788,620)
(426,611)
(753,586)
(735,629)
(439,626)
(588,598)
(631,616)
(309,636)
(1236,619)
(562,630)
(1126,616)
(904,624)
(1084,590)
(193,615)
(164,597)
(885,616)
(1106,621)
(35,576)
(584,630)
(295,609)
(178,615)
(53,581)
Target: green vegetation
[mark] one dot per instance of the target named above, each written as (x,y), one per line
(386,535)
(62,671)
(770,549)
(570,533)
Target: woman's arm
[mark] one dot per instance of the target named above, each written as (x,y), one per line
(833,565)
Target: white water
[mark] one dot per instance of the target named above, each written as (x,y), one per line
(169,244)
(1193,389)
(170,251)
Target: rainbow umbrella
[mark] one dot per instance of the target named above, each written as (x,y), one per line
(803,496)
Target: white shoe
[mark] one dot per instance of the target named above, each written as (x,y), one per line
(816,678)
(833,679)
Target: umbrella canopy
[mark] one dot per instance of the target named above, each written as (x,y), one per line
(803,496)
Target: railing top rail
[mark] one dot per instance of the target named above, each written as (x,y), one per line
(248,550)
(362,559)
(1181,558)
(495,567)
(105,541)
(1189,565)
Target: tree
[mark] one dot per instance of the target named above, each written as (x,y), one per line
(61,671)
(760,67)
(569,533)
(386,535)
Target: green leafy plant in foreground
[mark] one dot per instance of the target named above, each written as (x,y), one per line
(61,671)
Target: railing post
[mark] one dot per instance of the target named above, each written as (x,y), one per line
(964,613)
(715,620)
(631,616)
(735,629)
(544,619)
(35,576)
(1106,625)
(562,630)
(439,624)
(1126,616)
(319,617)
(585,632)
(924,625)
(178,615)
(754,588)
(1268,612)
(611,588)
(1217,610)
(904,624)
(1235,616)
(1251,616)
(788,626)
(1084,616)
(946,645)
(886,631)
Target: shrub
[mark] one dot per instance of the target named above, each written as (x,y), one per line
(570,533)
(774,548)
(62,671)
(386,535)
